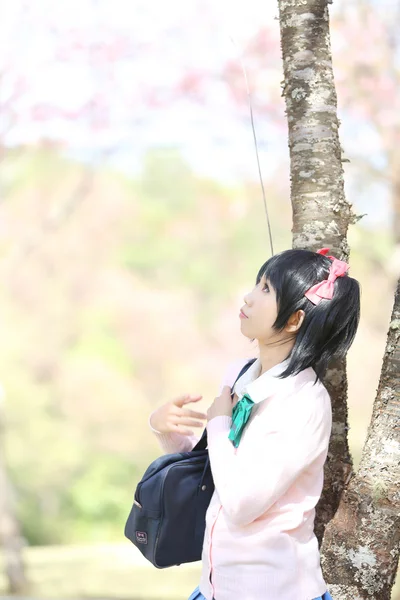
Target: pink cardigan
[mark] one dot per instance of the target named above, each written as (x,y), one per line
(259,542)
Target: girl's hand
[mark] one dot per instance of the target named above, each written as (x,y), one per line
(222,406)
(174,417)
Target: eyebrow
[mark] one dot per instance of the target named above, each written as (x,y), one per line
(267,282)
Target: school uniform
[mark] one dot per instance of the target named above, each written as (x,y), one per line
(197,595)
(259,540)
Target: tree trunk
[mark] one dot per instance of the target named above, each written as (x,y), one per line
(361,546)
(321,213)
(10,537)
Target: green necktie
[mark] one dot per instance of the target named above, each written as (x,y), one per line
(240,415)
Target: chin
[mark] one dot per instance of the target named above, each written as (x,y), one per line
(247,334)
(249,337)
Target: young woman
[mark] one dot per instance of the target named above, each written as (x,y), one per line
(268,444)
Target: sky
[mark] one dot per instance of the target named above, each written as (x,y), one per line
(44,51)
(166,39)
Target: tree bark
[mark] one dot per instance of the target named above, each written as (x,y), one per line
(361,545)
(321,213)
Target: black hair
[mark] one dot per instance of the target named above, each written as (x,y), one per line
(328,328)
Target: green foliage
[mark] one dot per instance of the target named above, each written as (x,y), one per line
(98,499)
(167,184)
(91,504)
(116,309)
(188,236)
(101,341)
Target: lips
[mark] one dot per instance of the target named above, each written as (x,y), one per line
(242,315)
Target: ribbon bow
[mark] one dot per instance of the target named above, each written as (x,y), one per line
(240,415)
(324,289)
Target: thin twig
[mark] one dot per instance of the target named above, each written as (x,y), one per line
(255,144)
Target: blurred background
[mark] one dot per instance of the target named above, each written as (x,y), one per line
(131,225)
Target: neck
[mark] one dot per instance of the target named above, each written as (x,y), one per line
(271,355)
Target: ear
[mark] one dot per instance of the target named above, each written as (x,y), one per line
(295,321)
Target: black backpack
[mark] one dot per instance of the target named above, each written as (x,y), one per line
(167,519)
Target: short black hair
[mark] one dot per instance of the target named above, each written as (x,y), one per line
(329,327)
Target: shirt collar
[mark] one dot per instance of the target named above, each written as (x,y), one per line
(259,387)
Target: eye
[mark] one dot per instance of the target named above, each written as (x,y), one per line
(265,287)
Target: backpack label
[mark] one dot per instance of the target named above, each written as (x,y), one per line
(141,537)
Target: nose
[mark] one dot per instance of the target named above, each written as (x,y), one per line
(247,299)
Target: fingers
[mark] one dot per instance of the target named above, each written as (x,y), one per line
(183,430)
(179,423)
(182,418)
(193,414)
(186,399)
(226,391)
(190,422)
(192,398)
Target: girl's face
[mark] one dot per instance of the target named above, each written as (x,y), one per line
(259,313)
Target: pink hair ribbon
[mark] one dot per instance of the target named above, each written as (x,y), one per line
(324,289)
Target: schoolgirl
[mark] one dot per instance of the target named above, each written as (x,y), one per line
(268,444)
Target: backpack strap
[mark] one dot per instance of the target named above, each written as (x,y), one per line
(202,443)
